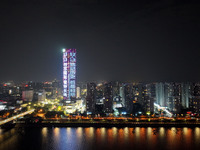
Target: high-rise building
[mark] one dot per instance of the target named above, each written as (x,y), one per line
(108,98)
(169,94)
(175,100)
(122,95)
(185,94)
(41,95)
(78,92)
(149,95)
(91,98)
(160,94)
(27,95)
(194,103)
(69,74)
(128,91)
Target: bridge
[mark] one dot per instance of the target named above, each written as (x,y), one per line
(16,116)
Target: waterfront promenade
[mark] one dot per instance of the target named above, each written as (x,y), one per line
(109,124)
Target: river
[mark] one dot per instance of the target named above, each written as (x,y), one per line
(100,138)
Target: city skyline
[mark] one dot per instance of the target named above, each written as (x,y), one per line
(99,74)
(106,97)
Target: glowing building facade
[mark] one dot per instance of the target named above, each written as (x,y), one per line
(69,74)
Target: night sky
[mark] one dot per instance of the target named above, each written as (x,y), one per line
(149,40)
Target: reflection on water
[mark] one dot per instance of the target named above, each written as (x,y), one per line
(101,138)
(162,132)
(44,132)
(102,133)
(197,134)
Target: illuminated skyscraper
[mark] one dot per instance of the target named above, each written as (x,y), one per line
(69,73)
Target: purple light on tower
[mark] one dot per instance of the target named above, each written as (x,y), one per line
(69,73)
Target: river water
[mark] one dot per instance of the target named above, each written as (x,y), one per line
(100,138)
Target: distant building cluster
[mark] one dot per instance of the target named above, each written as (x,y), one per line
(107,97)
(143,98)
(12,94)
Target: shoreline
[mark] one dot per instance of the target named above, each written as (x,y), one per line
(119,125)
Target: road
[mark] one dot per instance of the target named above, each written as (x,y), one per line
(16,116)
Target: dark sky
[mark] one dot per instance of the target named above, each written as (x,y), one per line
(149,40)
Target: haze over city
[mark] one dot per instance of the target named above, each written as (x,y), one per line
(115,40)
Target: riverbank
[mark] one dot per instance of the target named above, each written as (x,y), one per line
(132,124)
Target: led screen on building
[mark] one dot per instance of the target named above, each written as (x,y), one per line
(69,73)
